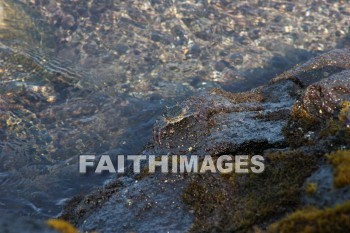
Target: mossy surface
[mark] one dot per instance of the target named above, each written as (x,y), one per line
(311,188)
(299,112)
(341,163)
(62,226)
(300,122)
(339,125)
(312,220)
(344,111)
(238,202)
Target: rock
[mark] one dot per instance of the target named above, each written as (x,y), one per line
(318,68)
(317,106)
(116,55)
(264,120)
(143,206)
(322,99)
(220,122)
(325,194)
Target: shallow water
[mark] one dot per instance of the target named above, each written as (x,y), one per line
(81,77)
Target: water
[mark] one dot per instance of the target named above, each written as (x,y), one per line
(81,77)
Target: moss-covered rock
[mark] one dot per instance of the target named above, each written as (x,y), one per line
(313,220)
(218,122)
(321,112)
(238,202)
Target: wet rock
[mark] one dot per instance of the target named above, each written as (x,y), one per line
(324,82)
(68,21)
(313,113)
(325,194)
(81,207)
(237,58)
(318,68)
(323,99)
(217,122)
(220,122)
(221,65)
(142,205)
(247,202)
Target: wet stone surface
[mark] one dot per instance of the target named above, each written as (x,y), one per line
(326,194)
(223,122)
(153,203)
(219,122)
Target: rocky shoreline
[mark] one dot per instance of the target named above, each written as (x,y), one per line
(92,77)
(294,121)
(299,122)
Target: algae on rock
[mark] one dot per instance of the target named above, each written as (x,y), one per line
(313,220)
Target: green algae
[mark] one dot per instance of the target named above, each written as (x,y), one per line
(312,220)
(341,164)
(311,188)
(301,122)
(338,126)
